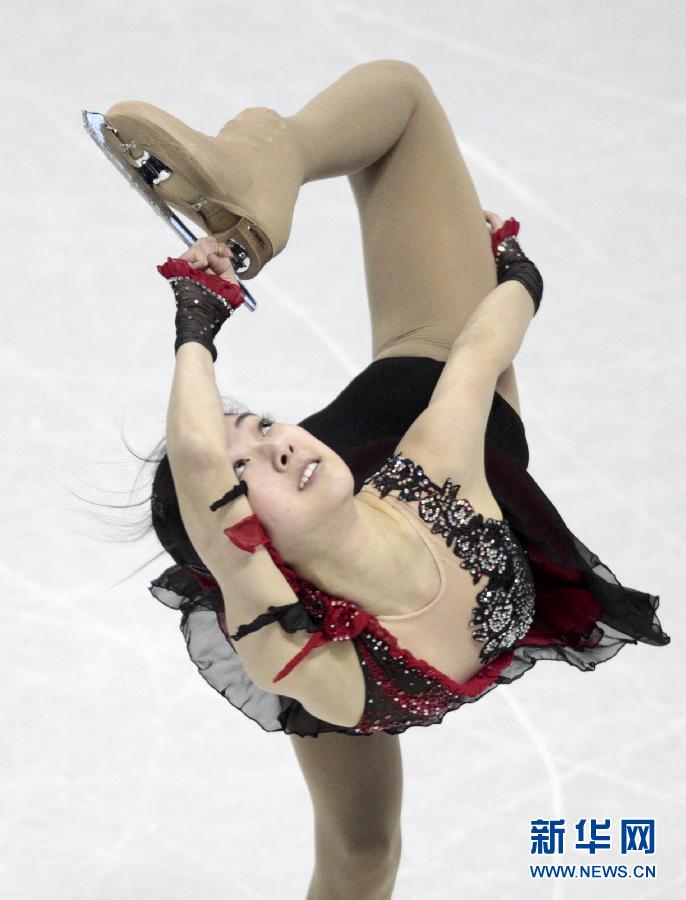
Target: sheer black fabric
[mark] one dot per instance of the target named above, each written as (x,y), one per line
(364,425)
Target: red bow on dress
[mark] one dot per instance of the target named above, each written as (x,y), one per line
(343,619)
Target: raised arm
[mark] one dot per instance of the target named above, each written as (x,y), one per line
(495,330)
(202,473)
(448,438)
(498,324)
(250,582)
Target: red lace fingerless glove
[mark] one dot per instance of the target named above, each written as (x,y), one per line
(203,302)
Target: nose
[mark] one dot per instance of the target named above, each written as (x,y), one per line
(282,455)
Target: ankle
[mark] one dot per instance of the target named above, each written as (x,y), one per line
(299,133)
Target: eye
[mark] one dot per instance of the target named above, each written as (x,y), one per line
(261,425)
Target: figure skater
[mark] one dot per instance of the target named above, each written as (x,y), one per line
(389,558)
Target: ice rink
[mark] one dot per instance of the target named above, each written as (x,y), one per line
(124,776)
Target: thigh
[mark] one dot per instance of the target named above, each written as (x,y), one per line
(427,253)
(356,788)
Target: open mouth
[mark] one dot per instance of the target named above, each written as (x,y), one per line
(309,474)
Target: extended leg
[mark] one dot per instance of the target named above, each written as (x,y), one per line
(356,788)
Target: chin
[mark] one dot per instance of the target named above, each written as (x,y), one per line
(341,475)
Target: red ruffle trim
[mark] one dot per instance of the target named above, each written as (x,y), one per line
(180,268)
(507,229)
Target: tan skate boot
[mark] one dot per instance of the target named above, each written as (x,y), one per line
(240,185)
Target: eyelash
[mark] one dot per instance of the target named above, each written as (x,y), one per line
(264,421)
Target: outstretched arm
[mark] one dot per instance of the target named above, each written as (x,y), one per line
(496,328)
(249,582)
(202,472)
(449,435)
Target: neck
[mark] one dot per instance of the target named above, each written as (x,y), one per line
(353,556)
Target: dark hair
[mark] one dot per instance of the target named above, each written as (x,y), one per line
(164,517)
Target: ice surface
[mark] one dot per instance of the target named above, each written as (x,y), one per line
(124,775)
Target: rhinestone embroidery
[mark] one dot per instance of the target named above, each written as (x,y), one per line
(486,546)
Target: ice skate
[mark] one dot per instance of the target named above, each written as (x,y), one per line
(143,176)
(240,185)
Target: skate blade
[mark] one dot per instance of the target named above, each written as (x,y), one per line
(142,175)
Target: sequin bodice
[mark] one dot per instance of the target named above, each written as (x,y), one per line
(486,547)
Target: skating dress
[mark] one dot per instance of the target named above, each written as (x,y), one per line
(545,594)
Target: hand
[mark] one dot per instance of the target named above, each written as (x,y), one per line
(511,262)
(493,219)
(212,257)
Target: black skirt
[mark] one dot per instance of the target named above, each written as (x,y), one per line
(584,616)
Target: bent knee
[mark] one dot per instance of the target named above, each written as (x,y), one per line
(400,68)
(376,838)
(381,846)
(366,874)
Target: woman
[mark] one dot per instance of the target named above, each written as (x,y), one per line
(420,565)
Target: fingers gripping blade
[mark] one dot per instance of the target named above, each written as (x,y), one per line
(142,179)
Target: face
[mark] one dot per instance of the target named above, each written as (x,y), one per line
(270,457)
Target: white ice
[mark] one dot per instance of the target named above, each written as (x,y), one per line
(124,775)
